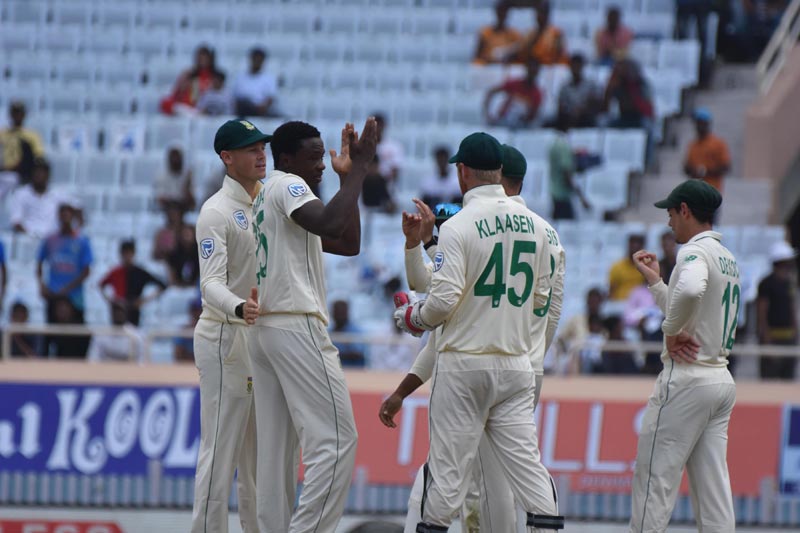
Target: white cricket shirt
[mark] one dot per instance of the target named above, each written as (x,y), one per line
(493,262)
(226,250)
(290,270)
(703,298)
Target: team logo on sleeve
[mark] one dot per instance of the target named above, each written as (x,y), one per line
(438,261)
(689,258)
(297,189)
(241,219)
(206,248)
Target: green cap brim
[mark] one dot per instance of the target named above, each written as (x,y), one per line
(664,204)
(251,139)
(454,159)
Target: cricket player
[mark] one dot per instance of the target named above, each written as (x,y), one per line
(300,384)
(497,513)
(490,269)
(686,420)
(227,282)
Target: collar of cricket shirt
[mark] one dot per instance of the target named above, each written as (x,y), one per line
(710,234)
(235,190)
(490,190)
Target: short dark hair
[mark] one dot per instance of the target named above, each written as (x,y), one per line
(220,75)
(637,236)
(441,149)
(379,117)
(703,216)
(127,246)
(18,306)
(577,56)
(258,51)
(41,163)
(288,137)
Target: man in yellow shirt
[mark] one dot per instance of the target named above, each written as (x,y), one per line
(21,146)
(623,276)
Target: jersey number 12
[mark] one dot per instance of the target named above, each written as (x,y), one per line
(730,298)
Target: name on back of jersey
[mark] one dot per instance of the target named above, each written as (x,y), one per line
(509,223)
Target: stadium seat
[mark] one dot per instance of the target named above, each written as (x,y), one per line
(658,6)
(135,200)
(208,17)
(66,99)
(77,135)
(164,131)
(18,38)
(653,26)
(73,14)
(644,51)
(62,168)
(124,136)
(387,21)
(607,188)
(142,170)
(535,144)
(471,21)
(626,147)
(432,21)
(60,40)
(75,70)
(100,170)
(150,44)
(167,17)
(93,200)
(243,22)
(26,12)
(119,16)
(684,56)
(589,139)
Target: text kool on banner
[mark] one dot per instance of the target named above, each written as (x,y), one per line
(133,445)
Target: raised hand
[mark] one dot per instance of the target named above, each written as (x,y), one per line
(362,150)
(647,263)
(341,163)
(251,307)
(411,229)
(428,220)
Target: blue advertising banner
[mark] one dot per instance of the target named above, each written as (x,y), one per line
(790,452)
(84,429)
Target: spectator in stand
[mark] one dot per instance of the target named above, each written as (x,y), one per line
(546,43)
(217,100)
(34,207)
(617,361)
(577,328)
(707,157)
(775,307)
(166,239)
(127,347)
(612,41)
(191,84)
(762,19)
(628,88)
(579,98)
(496,43)
(64,313)
(669,249)
(255,89)
(174,184)
(23,345)
(562,176)
(589,350)
(442,186)
(396,355)
(127,282)
(68,257)
(643,315)
(21,146)
(183,261)
(623,276)
(184,346)
(696,11)
(521,103)
(351,354)
(375,191)
(391,155)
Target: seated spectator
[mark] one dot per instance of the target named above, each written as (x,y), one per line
(217,100)
(775,308)
(391,155)
(255,89)
(642,314)
(442,186)
(191,84)
(612,41)
(623,276)
(576,329)
(23,344)
(522,100)
(579,98)
(351,354)
(628,88)
(128,281)
(707,157)
(68,258)
(563,186)
(616,361)
(174,184)
(34,207)
(546,43)
(496,43)
(590,347)
(166,238)
(669,250)
(21,146)
(64,313)
(183,261)
(184,346)
(117,347)
(375,191)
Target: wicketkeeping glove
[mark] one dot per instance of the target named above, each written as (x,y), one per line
(406,314)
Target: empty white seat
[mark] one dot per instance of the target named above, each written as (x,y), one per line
(134,200)
(64,99)
(625,147)
(62,168)
(18,38)
(166,16)
(163,131)
(124,136)
(76,14)
(80,70)
(26,12)
(100,169)
(118,15)
(683,56)
(76,136)
(607,188)
(387,21)
(26,69)
(243,22)
(589,139)
(470,21)
(535,145)
(143,169)
(62,40)
(428,21)
(644,51)
(212,17)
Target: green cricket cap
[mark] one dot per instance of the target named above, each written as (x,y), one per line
(238,134)
(697,194)
(514,164)
(480,151)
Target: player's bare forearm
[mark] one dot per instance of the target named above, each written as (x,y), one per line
(408,386)
(349,244)
(332,220)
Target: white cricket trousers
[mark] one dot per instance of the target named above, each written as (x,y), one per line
(498,512)
(227,428)
(473,394)
(301,394)
(685,424)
